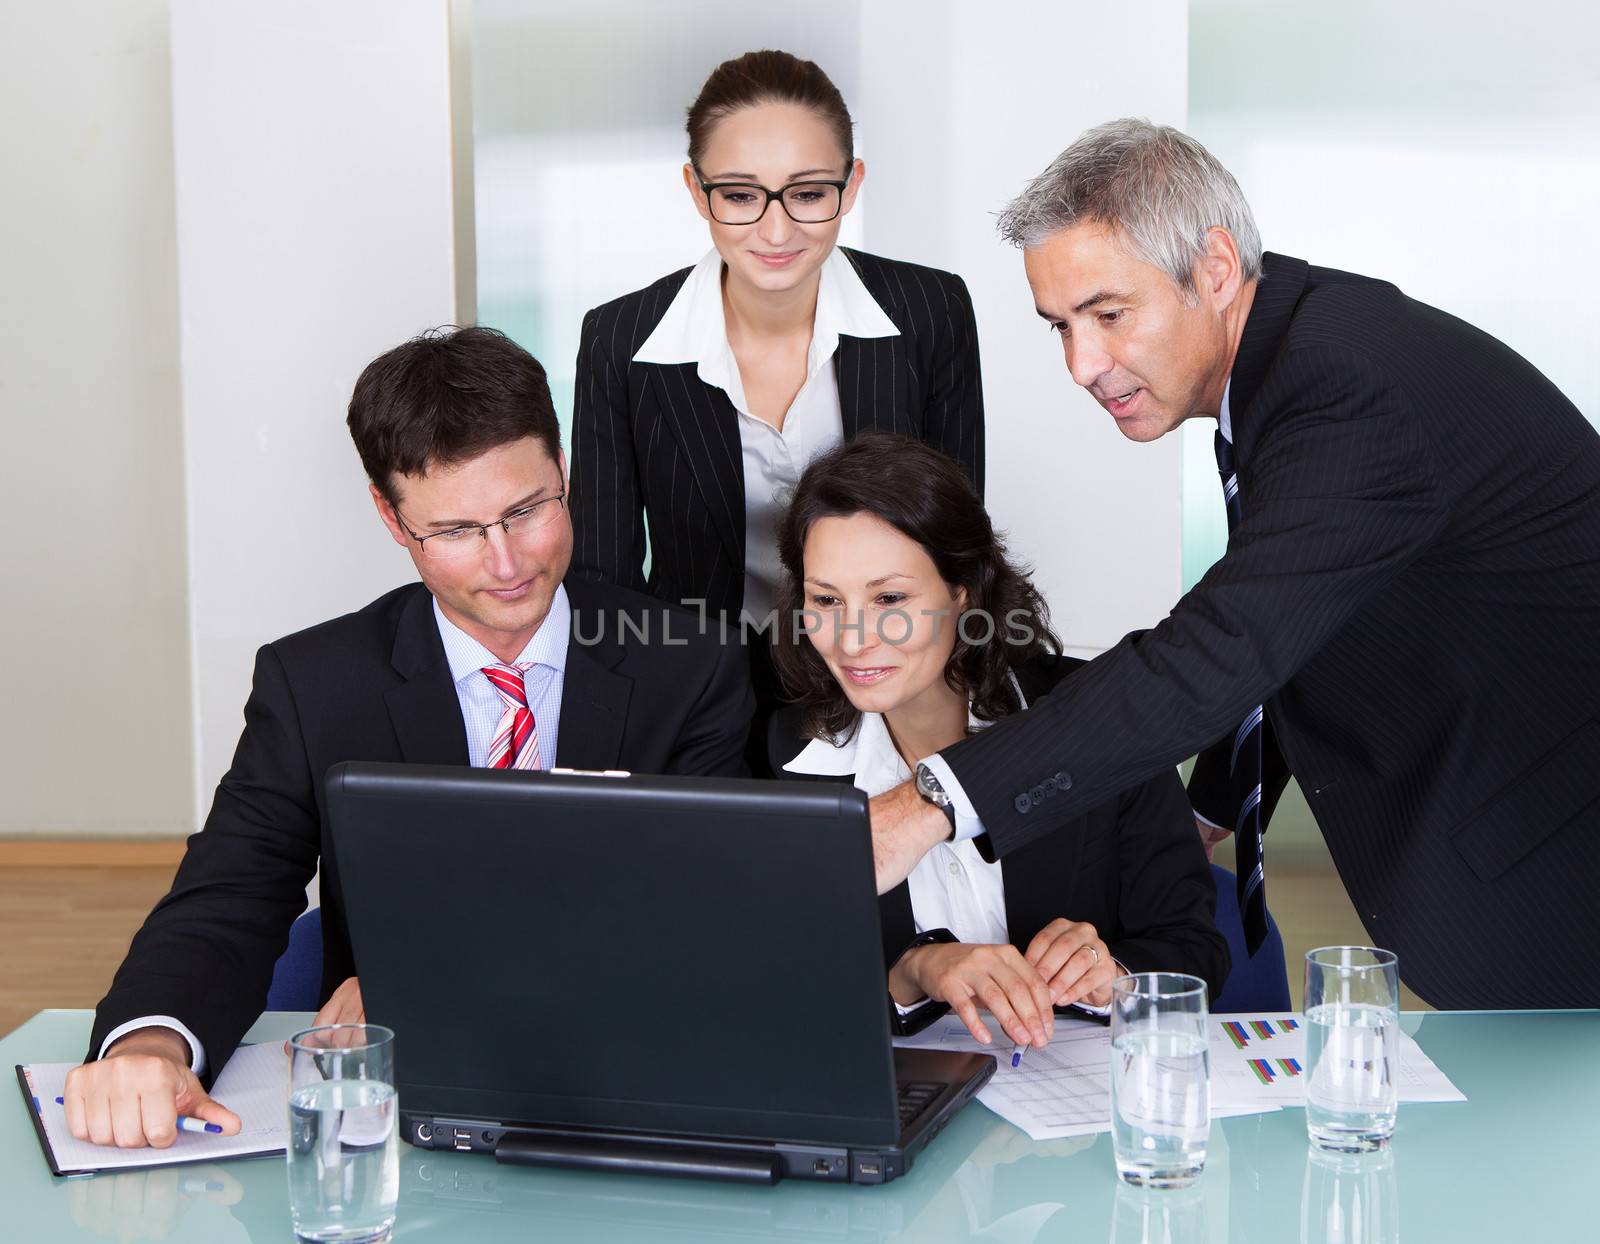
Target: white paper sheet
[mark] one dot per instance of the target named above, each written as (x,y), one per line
(254,1085)
(1062,1090)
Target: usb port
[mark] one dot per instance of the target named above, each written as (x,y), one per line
(463,1138)
(871,1168)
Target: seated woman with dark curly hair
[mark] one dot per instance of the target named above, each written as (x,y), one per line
(905,628)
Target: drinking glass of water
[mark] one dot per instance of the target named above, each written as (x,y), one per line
(344,1160)
(1352,1047)
(1160,1079)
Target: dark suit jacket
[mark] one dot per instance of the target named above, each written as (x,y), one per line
(655,441)
(1132,866)
(1414,593)
(375,686)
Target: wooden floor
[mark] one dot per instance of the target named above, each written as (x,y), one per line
(68,909)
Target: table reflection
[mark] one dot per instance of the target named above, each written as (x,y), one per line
(1160,1216)
(147,1205)
(1350,1198)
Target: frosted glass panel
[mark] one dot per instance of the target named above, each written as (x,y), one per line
(1451,148)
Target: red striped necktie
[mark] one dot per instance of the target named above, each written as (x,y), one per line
(516,739)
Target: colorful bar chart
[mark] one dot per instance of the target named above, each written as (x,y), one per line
(1269,1069)
(1241,1033)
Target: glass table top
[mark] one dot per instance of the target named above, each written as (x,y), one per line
(1517,1157)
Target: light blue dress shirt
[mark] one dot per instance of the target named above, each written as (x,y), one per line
(481,705)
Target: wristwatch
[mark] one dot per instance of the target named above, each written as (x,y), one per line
(929,788)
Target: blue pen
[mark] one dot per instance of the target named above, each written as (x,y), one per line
(185,1123)
(1017,1051)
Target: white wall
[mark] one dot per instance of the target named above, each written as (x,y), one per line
(964,104)
(94,702)
(317,227)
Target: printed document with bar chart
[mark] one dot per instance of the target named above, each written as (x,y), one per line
(1260,1059)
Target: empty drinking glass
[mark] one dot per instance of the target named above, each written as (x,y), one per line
(1352,1047)
(344,1161)
(1160,1079)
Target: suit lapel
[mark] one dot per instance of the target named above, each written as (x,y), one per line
(594,697)
(706,427)
(1283,281)
(424,710)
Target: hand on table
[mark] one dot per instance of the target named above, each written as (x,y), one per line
(1074,963)
(344,1007)
(965,977)
(133,1096)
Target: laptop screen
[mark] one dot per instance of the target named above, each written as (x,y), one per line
(667,955)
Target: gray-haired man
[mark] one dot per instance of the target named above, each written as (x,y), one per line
(1411,587)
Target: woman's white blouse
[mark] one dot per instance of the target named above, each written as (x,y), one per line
(694,330)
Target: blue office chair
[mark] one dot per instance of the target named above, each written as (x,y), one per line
(1254,984)
(297,976)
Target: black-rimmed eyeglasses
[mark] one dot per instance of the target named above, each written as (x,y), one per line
(471,537)
(745,202)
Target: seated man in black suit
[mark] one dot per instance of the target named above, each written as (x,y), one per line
(493,659)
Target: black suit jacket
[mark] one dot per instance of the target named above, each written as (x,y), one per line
(1414,593)
(1132,866)
(653,441)
(375,686)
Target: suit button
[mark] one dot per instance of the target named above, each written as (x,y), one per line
(1051,786)
(1023,803)
(1038,793)
(1064,780)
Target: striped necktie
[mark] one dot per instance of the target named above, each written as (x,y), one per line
(516,739)
(1245,764)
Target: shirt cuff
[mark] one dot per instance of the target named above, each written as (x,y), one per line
(968,826)
(197,1052)
(1206,820)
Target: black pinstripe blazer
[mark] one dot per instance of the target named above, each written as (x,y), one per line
(653,442)
(1414,593)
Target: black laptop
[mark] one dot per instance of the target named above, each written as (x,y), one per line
(674,975)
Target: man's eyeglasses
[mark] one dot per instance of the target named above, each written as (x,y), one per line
(471,537)
(744,203)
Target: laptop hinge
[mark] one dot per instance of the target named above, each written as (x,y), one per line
(693,1162)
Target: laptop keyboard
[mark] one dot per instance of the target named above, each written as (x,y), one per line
(915,1097)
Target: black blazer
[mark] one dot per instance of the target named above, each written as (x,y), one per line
(375,685)
(1414,593)
(654,441)
(1131,866)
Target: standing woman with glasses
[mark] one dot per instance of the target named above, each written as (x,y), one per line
(702,397)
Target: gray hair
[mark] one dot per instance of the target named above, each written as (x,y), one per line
(1156,186)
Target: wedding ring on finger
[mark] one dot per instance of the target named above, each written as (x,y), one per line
(1093,952)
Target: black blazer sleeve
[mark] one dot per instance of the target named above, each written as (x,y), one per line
(608,535)
(954,411)
(1343,497)
(238,889)
(1166,901)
